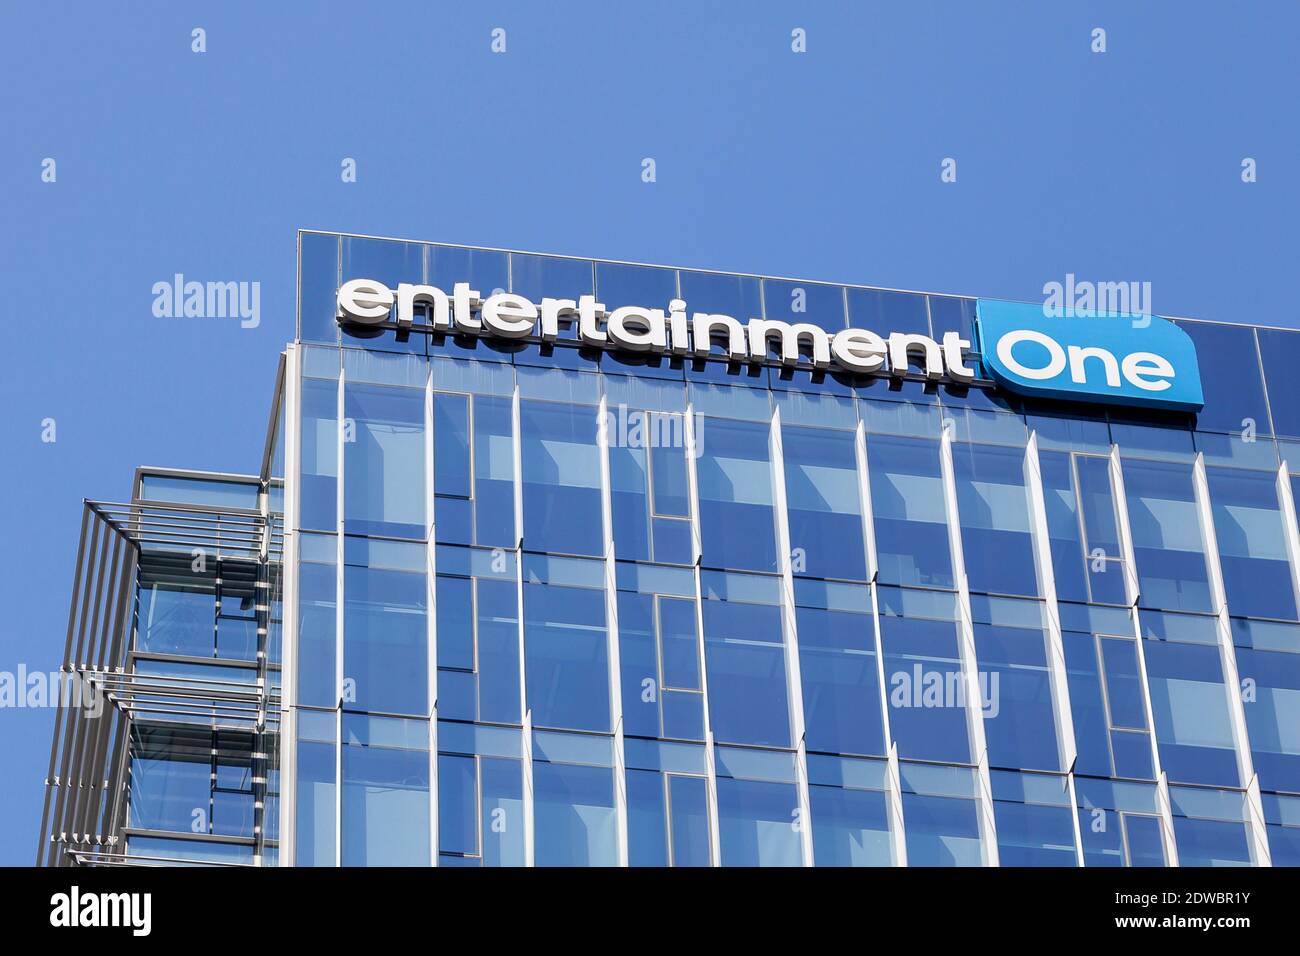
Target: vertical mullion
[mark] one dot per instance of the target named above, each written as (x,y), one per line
(710,757)
(431,618)
(794,680)
(969,662)
(614,665)
(289,613)
(340,436)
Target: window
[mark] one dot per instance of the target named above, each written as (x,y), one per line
(667,806)
(573,794)
(385,627)
(757,805)
(850,811)
(1034,820)
(565,644)
(318,504)
(1191,712)
(923,677)
(996,539)
(383,461)
(1252,544)
(478,635)
(480,797)
(823,503)
(385,791)
(473,470)
(650,485)
(561,478)
(744,647)
(909,513)
(941,816)
(1107,701)
(737,522)
(1167,543)
(1087,560)
(660,660)
(839,670)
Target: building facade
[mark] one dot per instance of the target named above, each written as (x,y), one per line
(606,593)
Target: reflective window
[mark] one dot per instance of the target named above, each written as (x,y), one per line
(757,806)
(1281,354)
(1087,561)
(926,693)
(318,501)
(744,647)
(1167,543)
(1191,713)
(823,502)
(991,500)
(573,800)
(383,461)
(668,819)
(1019,719)
(737,522)
(941,816)
(1108,706)
(1271,699)
(478,636)
(1034,820)
(385,627)
(850,812)
(561,478)
(473,470)
(660,659)
(385,792)
(1252,545)
(839,673)
(650,485)
(908,512)
(565,644)
(1231,381)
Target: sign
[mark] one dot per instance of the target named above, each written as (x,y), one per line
(1136,360)
(669,332)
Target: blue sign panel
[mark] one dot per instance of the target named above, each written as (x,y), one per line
(1133,360)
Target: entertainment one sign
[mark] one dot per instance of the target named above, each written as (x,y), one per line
(1121,359)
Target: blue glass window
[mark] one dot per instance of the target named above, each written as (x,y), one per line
(383,461)
(1252,544)
(561,478)
(991,500)
(908,512)
(385,792)
(1281,354)
(813,302)
(1019,720)
(1230,378)
(317,628)
(659,657)
(385,629)
(737,522)
(758,809)
(566,654)
(886,312)
(823,503)
(1272,704)
(318,283)
(1191,713)
(668,820)
(927,697)
(573,802)
(850,812)
(744,648)
(1167,543)
(478,638)
(473,470)
(318,504)
(941,816)
(841,686)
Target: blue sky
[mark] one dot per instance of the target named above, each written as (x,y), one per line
(1115,166)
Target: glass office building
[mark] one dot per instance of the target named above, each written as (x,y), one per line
(514,602)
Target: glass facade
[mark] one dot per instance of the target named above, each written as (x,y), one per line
(552,605)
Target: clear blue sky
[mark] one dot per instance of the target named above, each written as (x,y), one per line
(1117,166)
